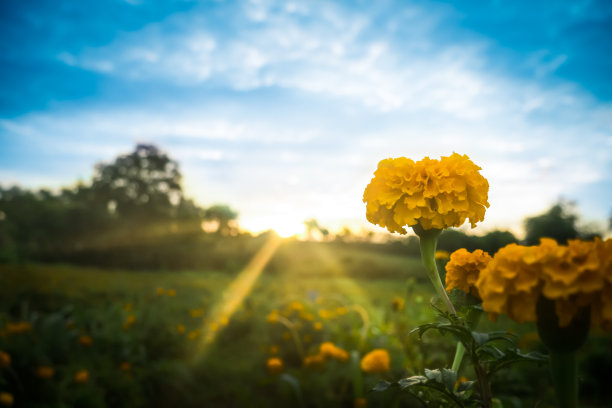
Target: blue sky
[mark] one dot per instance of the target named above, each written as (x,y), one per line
(283,109)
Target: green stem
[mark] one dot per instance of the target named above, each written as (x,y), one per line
(429,241)
(564,370)
(459,353)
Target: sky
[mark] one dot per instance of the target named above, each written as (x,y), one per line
(283,109)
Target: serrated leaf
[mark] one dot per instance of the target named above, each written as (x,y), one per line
(411,381)
(382,385)
(465,386)
(449,378)
(480,338)
(435,375)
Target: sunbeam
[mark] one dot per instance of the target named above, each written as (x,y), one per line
(222,312)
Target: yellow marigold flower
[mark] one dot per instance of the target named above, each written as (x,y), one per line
(274,365)
(160,291)
(460,380)
(573,276)
(180,329)
(45,372)
(315,362)
(272,317)
(6,399)
(376,361)
(441,254)
(129,321)
(318,326)
(463,270)
(433,193)
(196,312)
(5,359)
(397,304)
(296,306)
(360,402)
(85,340)
(171,292)
(81,376)
(125,366)
(330,350)
(341,311)
(18,327)
(326,314)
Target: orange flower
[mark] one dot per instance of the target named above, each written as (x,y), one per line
(5,359)
(376,361)
(81,376)
(45,372)
(6,399)
(463,270)
(125,366)
(85,340)
(274,365)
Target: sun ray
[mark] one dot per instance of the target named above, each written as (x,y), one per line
(240,287)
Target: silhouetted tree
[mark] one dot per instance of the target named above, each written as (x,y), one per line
(223,215)
(558,223)
(145,184)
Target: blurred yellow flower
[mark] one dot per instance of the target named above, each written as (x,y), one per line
(273,350)
(129,321)
(180,329)
(125,366)
(272,317)
(85,340)
(575,275)
(274,365)
(376,361)
(441,254)
(318,326)
(6,399)
(315,362)
(81,376)
(45,372)
(193,334)
(433,193)
(5,359)
(296,306)
(18,327)
(397,304)
(463,270)
(326,314)
(460,380)
(160,291)
(341,311)
(171,292)
(360,402)
(330,350)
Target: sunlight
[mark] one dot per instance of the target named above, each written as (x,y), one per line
(284,225)
(236,292)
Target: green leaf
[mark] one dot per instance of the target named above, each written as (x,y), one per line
(480,338)
(435,375)
(465,386)
(449,378)
(411,381)
(382,386)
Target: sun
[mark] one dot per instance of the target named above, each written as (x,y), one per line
(285,225)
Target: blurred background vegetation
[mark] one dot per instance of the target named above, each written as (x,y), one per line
(120,277)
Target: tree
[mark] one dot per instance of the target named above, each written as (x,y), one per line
(559,223)
(223,216)
(145,184)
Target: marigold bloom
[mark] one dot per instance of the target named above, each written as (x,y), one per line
(129,321)
(5,359)
(125,366)
(397,304)
(272,317)
(180,329)
(274,365)
(317,326)
(18,327)
(315,362)
(330,350)
(433,193)
(463,270)
(6,399)
(160,291)
(45,372)
(81,376)
(360,403)
(85,340)
(376,361)
(575,275)
(171,292)
(441,254)
(193,334)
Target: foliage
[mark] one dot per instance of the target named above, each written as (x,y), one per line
(559,223)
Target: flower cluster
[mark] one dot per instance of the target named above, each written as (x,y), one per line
(327,351)
(274,365)
(574,276)
(376,361)
(433,193)
(463,270)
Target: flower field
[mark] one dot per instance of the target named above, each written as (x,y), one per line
(318,334)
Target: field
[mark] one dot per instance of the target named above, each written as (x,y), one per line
(89,337)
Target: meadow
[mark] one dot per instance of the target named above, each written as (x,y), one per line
(86,337)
